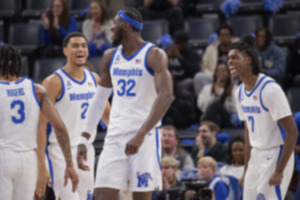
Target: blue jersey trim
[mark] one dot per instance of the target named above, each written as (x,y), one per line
(128,59)
(145,61)
(277,187)
(113,57)
(260,95)
(63,88)
(4,83)
(282,131)
(49,130)
(20,81)
(17,82)
(70,77)
(240,92)
(34,94)
(157,146)
(248,95)
(93,77)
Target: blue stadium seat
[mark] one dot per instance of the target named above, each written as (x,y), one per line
(223,137)
(1,31)
(34,8)
(25,37)
(77,8)
(291,4)
(96,63)
(45,67)
(208,5)
(284,28)
(293,95)
(199,30)
(245,25)
(153,29)
(252,5)
(24,69)
(189,174)
(8,8)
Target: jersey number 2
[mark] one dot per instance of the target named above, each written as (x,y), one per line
(126,87)
(21,114)
(84,106)
(251,121)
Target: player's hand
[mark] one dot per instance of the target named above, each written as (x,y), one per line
(81,157)
(133,145)
(42,181)
(71,173)
(276,178)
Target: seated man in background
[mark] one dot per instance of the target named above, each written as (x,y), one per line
(207,144)
(171,148)
(207,167)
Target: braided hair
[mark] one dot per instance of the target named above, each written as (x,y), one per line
(10,61)
(247,46)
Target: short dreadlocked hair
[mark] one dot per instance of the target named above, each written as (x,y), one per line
(10,61)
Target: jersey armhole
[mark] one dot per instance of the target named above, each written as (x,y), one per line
(260,95)
(145,61)
(93,77)
(34,94)
(113,57)
(63,88)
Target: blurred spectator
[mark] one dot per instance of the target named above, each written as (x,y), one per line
(216,101)
(217,50)
(207,167)
(183,59)
(57,24)
(235,166)
(293,70)
(207,144)
(171,147)
(272,57)
(96,28)
(163,9)
(168,170)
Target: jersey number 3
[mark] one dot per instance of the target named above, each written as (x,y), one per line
(19,105)
(126,87)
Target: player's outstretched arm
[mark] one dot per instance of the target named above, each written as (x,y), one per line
(288,124)
(157,60)
(50,112)
(97,107)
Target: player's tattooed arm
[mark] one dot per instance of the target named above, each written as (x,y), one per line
(50,112)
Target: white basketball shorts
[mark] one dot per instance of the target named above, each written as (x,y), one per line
(142,170)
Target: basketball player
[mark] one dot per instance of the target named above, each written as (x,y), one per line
(137,72)
(20,105)
(71,89)
(264,108)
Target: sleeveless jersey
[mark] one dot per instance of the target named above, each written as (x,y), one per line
(261,108)
(19,108)
(133,88)
(73,103)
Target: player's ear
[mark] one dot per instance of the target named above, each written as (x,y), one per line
(65,51)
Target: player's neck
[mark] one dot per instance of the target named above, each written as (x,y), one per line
(249,81)
(10,78)
(132,45)
(75,72)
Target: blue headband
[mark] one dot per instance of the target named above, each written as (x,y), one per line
(129,20)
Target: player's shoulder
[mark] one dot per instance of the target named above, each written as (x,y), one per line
(156,51)
(52,79)
(109,53)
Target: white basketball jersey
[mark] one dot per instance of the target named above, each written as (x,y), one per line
(19,108)
(73,103)
(261,108)
(134,90)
